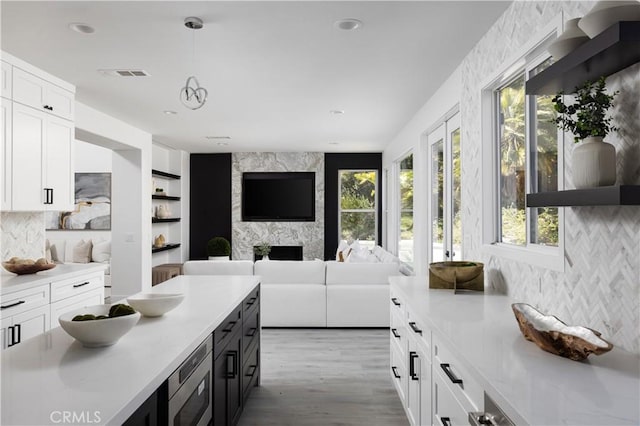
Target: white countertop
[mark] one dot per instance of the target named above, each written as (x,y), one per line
(10,283)
(531,385)
(54,373)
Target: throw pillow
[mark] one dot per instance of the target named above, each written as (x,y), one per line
(101,251)
(341,251)
(82,252)
(47,251)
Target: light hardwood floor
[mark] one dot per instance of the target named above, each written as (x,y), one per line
(324,377)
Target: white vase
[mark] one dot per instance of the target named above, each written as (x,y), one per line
(606,13)
(593,163)
(569,40)
(219,258)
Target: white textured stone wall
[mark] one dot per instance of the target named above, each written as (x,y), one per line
(600,287)
(22,234)
(245,235)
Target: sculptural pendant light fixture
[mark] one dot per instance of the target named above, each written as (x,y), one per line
(192,95)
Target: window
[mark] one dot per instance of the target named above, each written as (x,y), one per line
(358,196)
(405,244)
(528,159)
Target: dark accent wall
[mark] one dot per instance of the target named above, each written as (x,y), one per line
(210,201)
(333,163)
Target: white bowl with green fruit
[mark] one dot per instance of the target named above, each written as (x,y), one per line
(99,325)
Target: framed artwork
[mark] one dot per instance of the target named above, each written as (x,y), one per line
(92,205)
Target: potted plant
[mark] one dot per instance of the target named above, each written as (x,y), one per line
(263,249)
(218,248)
(593,160)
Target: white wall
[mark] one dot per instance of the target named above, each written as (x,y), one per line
(412,138)
(131,204)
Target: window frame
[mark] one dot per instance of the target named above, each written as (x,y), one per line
(408,266)
(529,57)
(374,209)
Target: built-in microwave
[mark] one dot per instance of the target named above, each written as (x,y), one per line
(190,388)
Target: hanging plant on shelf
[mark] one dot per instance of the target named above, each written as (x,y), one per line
(593,160)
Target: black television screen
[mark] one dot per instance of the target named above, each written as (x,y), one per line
(279,196)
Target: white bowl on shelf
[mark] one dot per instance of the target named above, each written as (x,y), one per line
(99,332)
(154,304)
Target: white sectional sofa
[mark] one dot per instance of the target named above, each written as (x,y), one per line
(293,293)
(216,267)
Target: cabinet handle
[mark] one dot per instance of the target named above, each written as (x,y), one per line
(80,285)
(17,331)
(446,421)
(395,301)
(229,327)
(395,333)
(253,369)
(12,305)
(46,196)
(415,328)
(48,107)
(251,301)
(395,372)
(252,332)
(449,373)
(232,357)
(412,367)
(10,337)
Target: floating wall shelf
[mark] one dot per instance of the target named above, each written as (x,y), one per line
(615,49)
(164,248)
(164,174)
(165,197)
(170,219)
(619,195)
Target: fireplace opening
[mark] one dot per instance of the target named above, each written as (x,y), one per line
(281,253)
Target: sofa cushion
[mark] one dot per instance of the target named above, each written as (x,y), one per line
(58,248)
(343,249)
(290,271)
(358,306)
(82,252)
(101,251)
(360,273)
(285,305)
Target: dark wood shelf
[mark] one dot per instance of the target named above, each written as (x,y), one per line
(165,197)
(164,248)
(615,49)
(164,174)
(170,219)
(619,195)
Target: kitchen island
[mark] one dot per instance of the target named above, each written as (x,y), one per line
(468,344)
(52,374)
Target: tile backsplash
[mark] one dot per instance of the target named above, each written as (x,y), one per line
(22,234)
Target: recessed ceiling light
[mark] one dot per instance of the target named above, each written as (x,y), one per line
(218,137)
(169,112)
(336,111)
(222,144)
(79,27)
(348,24)
(334,143)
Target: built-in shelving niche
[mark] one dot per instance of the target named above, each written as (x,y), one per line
(164,248)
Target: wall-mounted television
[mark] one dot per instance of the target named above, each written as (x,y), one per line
(279,196)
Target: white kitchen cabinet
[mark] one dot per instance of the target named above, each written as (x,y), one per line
(24,314)
(89,298)
(418,401)
(5,155)
(5,80)
(447,410)
(33,91)
(42,161)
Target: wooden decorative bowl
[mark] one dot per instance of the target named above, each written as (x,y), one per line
(21,269)
(463,271)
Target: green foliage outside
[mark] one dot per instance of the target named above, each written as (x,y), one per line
(406,198)
(358,192)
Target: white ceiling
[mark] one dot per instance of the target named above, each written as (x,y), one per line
(273,70)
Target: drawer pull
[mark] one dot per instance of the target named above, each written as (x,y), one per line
(251,301)
(81,285)
(395,333)
(17,329)
(395,301)
(12,305)
(229,326)
(232,361)
(412,367)
(252,332)
(446,421)
(253,369)
(395,372)
(450,375)
(415,328)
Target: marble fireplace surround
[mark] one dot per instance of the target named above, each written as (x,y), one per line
(246,235)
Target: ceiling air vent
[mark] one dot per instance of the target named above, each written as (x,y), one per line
(125,73)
